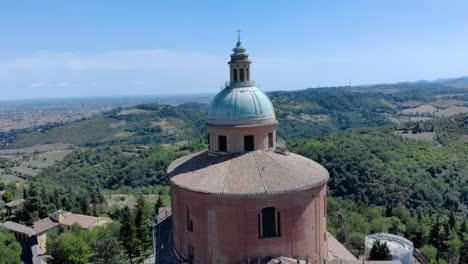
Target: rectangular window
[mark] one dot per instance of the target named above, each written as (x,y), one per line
(222,143)
(269,223)
(270,140)
(209,143)
(234,74)
(241,74)
(249,143)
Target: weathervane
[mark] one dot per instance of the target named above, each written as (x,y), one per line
(238,35)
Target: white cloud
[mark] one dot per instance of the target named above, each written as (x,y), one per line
(38,84)
(45,73)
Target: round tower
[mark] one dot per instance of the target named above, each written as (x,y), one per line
(240,200)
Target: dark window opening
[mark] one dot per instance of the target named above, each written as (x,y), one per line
(234,75)
(270,140)
(241,74)
(249,144)
(270,223)
(209,143)
(278,224)
(222,143)
(259,227)
(189,221)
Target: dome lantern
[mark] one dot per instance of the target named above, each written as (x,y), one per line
(239,66)
(241,117)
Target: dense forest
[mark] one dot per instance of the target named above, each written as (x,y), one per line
(382,182)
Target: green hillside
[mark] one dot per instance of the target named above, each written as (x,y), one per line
(383,182)
(397,156)
(143,124)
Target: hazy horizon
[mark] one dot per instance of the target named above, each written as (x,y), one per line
(61,50)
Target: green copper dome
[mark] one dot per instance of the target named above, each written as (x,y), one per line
(241,105)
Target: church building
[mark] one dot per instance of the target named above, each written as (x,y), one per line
(242,199)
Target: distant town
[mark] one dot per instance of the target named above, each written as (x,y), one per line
(20,114)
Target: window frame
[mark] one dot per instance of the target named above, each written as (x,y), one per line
(261,222)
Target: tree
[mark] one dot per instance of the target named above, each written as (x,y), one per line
(108,250)
(7,197)
(159,203)
(429,252)
(128,233)
(10,249)
(380,251)
(68,248)
(464,254)
(141,223)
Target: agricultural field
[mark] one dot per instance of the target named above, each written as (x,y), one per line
(21,163)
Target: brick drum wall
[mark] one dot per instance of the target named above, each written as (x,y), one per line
(225,228)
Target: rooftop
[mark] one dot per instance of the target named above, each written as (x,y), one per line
(14,203)
(249,173)
(44,225)
(85,221)
(12,226)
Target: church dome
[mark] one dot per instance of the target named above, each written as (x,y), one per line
(241,105)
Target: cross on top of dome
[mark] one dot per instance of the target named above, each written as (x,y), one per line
(239,50)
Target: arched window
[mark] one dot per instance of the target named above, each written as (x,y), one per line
(269,223)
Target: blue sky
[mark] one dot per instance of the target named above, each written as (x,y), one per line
(88,48)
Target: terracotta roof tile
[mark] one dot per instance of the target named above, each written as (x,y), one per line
(249,173)
(44,225)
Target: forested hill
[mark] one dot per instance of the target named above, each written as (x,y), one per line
(397,158)
(397,179)
(306,113)
(314,112)
(143,124)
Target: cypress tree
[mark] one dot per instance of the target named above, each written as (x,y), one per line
(159,204)
(128,233)
(141,223)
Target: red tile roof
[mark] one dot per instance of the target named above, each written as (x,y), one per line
(252,173)
(44,225)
